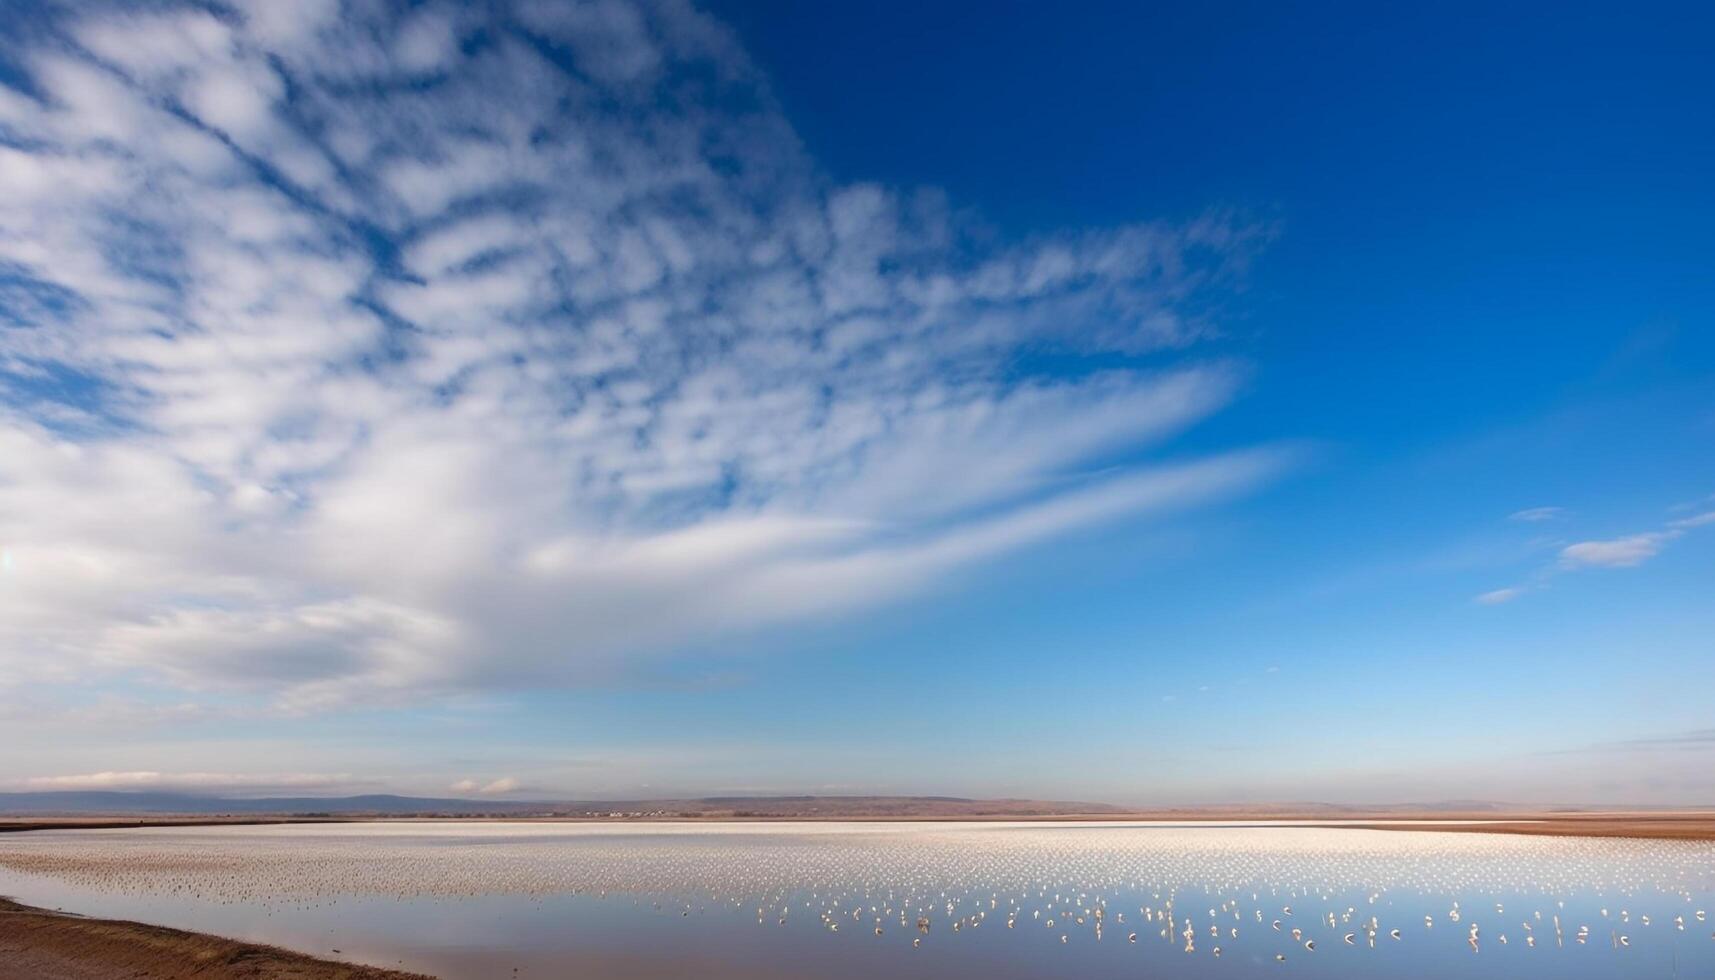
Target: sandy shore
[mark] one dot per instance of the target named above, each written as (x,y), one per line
(36,944)
(1655,826)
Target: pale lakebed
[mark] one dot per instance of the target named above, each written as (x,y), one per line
(471,901)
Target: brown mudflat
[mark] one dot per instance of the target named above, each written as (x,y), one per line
(1648,826)
(36,944)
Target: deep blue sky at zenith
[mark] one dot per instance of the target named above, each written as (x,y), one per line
(1451,383)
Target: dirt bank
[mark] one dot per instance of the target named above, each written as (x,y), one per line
(36,944)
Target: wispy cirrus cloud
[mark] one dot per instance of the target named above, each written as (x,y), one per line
(361,353)
(1633,549)
(1694,740)
(1538,514)
(1626,551)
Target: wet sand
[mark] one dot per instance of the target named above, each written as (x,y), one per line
(37,944)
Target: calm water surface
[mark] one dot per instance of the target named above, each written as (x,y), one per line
(902,900)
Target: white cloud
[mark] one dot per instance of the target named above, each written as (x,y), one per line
(522,375)
(1626,552)
(1535,514)
(505,784)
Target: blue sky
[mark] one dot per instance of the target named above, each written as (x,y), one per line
(1148,405)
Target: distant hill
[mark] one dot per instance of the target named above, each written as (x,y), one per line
(84,803)
(23,811)
(123,803)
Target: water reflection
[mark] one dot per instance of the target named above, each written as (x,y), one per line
(854,899)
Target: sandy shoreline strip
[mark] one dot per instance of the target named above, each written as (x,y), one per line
(38,944)
(1688,827)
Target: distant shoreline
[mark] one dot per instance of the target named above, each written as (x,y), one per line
(1648,825)
(36,943)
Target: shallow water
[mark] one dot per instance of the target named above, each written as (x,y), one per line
(484,900)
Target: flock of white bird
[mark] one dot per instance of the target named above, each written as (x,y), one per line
(1260,893)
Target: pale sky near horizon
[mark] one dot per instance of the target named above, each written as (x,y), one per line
(1134,403)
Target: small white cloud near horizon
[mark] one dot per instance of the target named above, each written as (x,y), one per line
(505,784)
(1498,596)
(1536,514)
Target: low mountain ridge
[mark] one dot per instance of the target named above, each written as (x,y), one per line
(115,802)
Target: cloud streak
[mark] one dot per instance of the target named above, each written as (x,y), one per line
(495,787)
(365,355)
(1695,740)
(1628,551)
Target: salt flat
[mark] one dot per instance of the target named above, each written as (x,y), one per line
(910,899)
